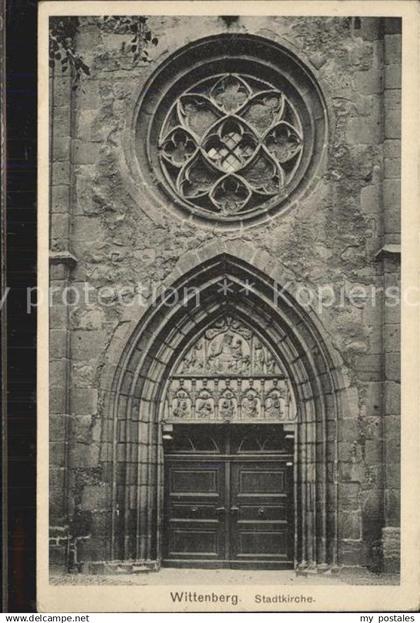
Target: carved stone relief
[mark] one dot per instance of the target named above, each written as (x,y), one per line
(229,374)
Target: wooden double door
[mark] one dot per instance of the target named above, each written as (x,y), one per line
(229,497)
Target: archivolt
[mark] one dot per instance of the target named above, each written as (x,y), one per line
(135,453)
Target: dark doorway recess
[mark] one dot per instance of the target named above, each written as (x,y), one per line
(229,497)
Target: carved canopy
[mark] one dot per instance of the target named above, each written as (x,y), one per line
(229,375)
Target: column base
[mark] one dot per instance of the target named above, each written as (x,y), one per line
(58,548)
(316,569)
(119,567)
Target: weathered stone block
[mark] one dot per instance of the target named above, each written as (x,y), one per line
(373,451)
(392,47)
(58,316)
(60,226)
(91,98)
(392,217)
(62,121)
(392,148)
(370,199)
(392,507)
(93,498)
(87,344)
(57,372)
(371,396)
(87,228)
(59,198)
(351,471)
(370,28)
(58,272)
(349,494)
(392,277)
(57,451)
(61,148)
(348,429)
(88,318)
(187,262)
(83,373)
(100,522)
(57,427)
(392,76)
(352,553)
(84,401)
(369,367)
(392,168)
(392,338)
(92,549)
(392,25)
(84,455)
(350,525)
(393,449)
(62,89)
(392,194)
(57,400)
(392,101)
(57,557)
(392,123)
(56,494)
(392,425)
(60,173)
(392,398)
(350,452)
(85,152)
(82,428)
(81,523)
(393,476)
(363,131)
(85,124)
(368,82)
(393,367)
(391,549)
(211,250)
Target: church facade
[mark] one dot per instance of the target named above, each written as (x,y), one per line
(224,329)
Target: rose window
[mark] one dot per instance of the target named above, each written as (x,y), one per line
(229,131)
(230,143)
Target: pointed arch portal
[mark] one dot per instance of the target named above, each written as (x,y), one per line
(224,296)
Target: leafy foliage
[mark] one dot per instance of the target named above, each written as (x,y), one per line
(61,47)
(63,31)
(135,26)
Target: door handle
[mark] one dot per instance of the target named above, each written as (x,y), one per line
(234,509)
(220,509)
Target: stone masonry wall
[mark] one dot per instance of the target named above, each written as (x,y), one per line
(332,238)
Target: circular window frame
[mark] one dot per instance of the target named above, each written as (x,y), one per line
(201,60)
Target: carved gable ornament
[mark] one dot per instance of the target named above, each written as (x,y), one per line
(229,375)
(230,128)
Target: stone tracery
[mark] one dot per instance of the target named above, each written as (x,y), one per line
(230,143)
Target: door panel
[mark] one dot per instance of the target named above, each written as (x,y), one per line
(272,512)
(261,509)
(255,481)
(194,482)
(195,493)
(261,544)
(227,510)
